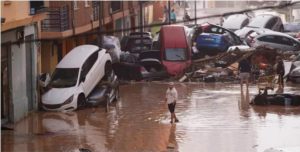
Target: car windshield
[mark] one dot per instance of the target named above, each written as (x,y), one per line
(175,54)
(138,41)
(64,77)
(259,21)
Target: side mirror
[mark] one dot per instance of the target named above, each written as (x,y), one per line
(44,80)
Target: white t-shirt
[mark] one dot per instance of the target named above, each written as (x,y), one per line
(171,95)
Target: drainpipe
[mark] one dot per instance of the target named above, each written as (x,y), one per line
(100,36)
(72,19)
(169,8)
(195,12)
(141,20)
(123,20)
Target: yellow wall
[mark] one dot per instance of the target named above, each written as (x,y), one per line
(48,57)
(14,10)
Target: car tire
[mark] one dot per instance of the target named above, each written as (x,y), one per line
(81,101)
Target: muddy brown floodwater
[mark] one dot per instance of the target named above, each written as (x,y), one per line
(211,120)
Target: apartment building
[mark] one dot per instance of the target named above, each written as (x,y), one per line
(72,23)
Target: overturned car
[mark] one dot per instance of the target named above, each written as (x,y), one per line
(75,77)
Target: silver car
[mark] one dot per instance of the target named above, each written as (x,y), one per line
(236,22)
(266,21)
(294,75)
(275,40)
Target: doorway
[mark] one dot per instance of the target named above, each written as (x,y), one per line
(29,71)
(5,84)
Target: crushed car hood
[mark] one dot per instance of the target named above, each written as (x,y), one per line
(57,95)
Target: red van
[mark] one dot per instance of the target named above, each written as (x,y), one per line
(174,48)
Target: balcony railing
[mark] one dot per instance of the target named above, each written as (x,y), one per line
(57,19)
(96,10)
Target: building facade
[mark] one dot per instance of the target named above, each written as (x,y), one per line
(19,61)
(72,23)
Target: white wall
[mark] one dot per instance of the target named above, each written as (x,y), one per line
(18,72)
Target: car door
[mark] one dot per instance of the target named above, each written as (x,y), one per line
(267,40)
(89,73)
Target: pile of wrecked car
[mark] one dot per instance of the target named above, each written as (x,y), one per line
(206,52)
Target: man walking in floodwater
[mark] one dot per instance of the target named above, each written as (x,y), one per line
(171,98)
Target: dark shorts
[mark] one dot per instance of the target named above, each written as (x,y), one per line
(171,107)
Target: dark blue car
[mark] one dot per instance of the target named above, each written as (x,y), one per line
(212,40)
(212,44)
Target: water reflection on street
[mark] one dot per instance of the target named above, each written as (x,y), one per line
(212,118)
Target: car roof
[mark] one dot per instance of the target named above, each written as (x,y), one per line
(261,20)
(234,21)
(76,57)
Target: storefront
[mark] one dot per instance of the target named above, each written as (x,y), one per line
(18,73)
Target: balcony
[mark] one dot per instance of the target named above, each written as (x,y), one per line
(57,19)
(96,10)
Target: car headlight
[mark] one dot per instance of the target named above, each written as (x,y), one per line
(69,100)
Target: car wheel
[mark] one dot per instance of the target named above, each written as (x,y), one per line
(81,101)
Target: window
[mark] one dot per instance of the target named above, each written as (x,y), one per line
(213,29)
(176,54)
(285,41)
(115,6)
(64,77)
(271,23)
(269,38)
(35,6)
(75,5)
(89,64)
(86,3)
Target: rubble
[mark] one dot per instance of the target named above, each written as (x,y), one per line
(224,67)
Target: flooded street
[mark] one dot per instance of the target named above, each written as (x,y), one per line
(212,118)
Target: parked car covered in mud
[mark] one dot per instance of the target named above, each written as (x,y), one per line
(75,76)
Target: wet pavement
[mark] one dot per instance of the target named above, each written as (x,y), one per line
(212,119)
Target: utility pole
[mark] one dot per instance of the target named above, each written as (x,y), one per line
(101,19)
(141,22)
(195,12)
(169,11)
(141,16)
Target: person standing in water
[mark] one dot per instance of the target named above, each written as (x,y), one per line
(171,98)
(244,73)
(280,71)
